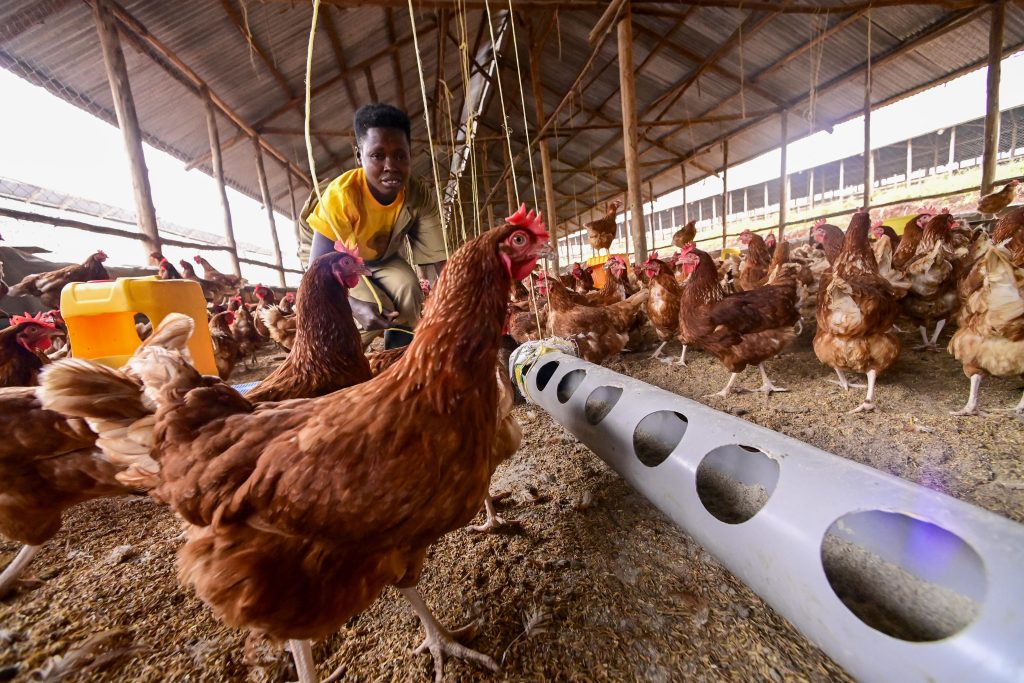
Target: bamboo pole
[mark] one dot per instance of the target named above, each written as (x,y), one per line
(627,87)
(218,174)
(995,57)
(269,205)
(128,122)
(784,175)
(651,216)
(725,191)
(545,157)
(686,209)
(487,188)
(869,161)
(295,215)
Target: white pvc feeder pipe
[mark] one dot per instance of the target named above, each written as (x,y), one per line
(894,581)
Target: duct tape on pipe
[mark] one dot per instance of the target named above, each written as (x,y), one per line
(527,354)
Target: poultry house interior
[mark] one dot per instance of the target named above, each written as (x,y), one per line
(321,508)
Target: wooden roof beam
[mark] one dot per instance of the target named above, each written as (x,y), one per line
(396,62)
(268,63)
(131,25)
(823,8)
(31,15)
(339,57)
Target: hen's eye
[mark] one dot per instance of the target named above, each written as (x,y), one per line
(519,240)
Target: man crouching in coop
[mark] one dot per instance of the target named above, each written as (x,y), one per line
(378,206)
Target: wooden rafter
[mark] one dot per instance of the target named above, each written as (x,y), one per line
(32,14)
(339,58)
(822,8)
(268,64)
(396,61)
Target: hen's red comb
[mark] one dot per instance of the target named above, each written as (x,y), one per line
(36,319)
(687,248)
(531,220)
(352,251)
(819,222)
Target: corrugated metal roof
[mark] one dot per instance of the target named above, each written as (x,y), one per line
(54,43)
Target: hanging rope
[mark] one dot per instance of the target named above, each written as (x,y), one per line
(430,135)
(522,100)
(501,97)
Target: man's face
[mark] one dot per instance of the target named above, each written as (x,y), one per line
(384,155)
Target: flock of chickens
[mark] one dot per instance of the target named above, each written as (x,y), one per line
(305,498)
(847,289)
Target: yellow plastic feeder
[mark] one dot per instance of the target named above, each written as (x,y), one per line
(101,317)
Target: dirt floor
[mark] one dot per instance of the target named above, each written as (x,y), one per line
(588,582)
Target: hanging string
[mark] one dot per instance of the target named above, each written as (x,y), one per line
(522,100)
(457,193)
(467,147)
(501,97)
(430,134)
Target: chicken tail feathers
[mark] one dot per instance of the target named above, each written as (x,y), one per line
(113,405)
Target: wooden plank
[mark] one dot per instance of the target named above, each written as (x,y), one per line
(268,204)
(869,161)
(128,122)
(990,155)
(115,232)
(132,26)
(550,211)
(627,86)
(218,174)
(783,174)
(725,191)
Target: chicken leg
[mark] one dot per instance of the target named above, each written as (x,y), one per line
(972,401)
(494,520)
(728,387)
(17,566)
(766,384)
(869,402)
(682,357)
(440,641)
(930,344)
(657,352)
(844,383)
(302,653)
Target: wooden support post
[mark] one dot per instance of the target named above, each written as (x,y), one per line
(295,215)
(995,57)
(545,156)
(952,149)
(842,173)
(686,208)
(627,88)
(784,175)
(268,203)
(764,210)
(869,162)
(128,122)
(487,188)
(910,160)
(810,187)
(510,194)
(650,216)
(725,191)
(218,173)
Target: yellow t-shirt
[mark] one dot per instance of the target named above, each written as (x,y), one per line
(349,210)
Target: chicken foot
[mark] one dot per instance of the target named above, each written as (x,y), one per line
(844,383)
(930,344)
(657,354)
(869,402)
(440,641)
(682,357)
(766,384)
(494,520)
(972,401)
(17,566)
(728,389)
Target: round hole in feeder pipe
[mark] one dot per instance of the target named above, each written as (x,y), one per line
(657,436)
(569,384)
(600,403)
(546,372)
(734,482)
(903,576)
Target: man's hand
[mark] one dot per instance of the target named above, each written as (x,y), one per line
(367,316)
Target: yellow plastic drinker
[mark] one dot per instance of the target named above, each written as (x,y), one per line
(101,317)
